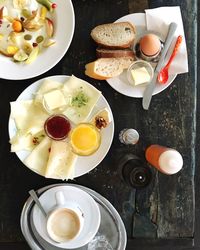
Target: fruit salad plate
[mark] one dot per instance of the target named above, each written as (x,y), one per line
(34,36)
(84,107)
(121,83)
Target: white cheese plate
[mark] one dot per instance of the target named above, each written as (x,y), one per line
(83,164)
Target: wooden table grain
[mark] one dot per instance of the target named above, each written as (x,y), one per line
(161,215)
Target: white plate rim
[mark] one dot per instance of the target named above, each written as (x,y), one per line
(25,71)
(139,19)
(62,78)
(90,202)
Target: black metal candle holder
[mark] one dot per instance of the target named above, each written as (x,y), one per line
(134,171)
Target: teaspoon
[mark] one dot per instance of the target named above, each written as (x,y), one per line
(35,198)
(163,74)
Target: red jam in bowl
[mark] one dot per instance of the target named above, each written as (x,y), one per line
(57,127)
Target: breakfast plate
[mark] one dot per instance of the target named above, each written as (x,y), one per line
(63,29)
(74,195)
(83,164)
(121,83)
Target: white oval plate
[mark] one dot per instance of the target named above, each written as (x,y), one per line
(121,83)
(64,30)
(75,195)
(84,164)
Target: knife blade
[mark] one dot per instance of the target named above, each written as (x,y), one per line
(148,92)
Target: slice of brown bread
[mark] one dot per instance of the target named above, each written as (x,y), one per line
(116,53)
(104,68)
(114,35)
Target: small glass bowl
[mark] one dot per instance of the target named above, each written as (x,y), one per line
(57,127)
(139,64)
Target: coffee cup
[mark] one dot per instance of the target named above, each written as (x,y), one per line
(65,221)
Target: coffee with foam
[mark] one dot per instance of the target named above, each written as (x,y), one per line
(63,225)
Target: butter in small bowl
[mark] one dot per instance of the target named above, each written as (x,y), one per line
(139,73)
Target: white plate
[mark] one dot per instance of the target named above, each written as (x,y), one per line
(84,164)
(121,83)
(87,205)
(64,30)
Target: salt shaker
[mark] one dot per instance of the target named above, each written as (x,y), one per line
(129,136)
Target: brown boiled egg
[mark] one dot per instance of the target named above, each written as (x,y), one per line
(150,45)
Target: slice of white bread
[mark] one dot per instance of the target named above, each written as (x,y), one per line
(109,53)
(105,68)
(114,35)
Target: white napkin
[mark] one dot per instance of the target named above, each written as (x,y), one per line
(158,20)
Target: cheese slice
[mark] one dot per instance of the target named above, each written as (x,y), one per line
(74,88)
(54,100)
(61,161)
(46,86)
(29,118)
(21,142)
(140,75)
(26,141)
(38,158)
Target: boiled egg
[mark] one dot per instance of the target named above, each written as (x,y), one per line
(150,45)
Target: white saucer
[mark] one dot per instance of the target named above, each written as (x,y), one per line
(86,203)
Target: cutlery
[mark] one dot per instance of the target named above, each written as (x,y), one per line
(151,86)
(35,198)
(163,74)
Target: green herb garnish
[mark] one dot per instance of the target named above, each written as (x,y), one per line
(80,99)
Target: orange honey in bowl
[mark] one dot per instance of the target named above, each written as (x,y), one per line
(85,139)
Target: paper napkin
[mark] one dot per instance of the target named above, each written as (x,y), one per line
(158,20)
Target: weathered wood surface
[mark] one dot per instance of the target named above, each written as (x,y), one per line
(165,209)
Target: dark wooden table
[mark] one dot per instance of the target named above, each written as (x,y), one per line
(161,216)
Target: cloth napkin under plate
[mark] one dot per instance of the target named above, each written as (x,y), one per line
(158,20)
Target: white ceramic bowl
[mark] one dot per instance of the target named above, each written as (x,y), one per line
(136,65)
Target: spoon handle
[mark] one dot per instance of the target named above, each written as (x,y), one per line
(36,199)
(176,48)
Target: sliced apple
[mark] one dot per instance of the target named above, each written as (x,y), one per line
(5,53)
(49,27)
(27,47)
(1,12)
(20,56)
(14,37)
(12,49)
(48,42)
(33,55)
